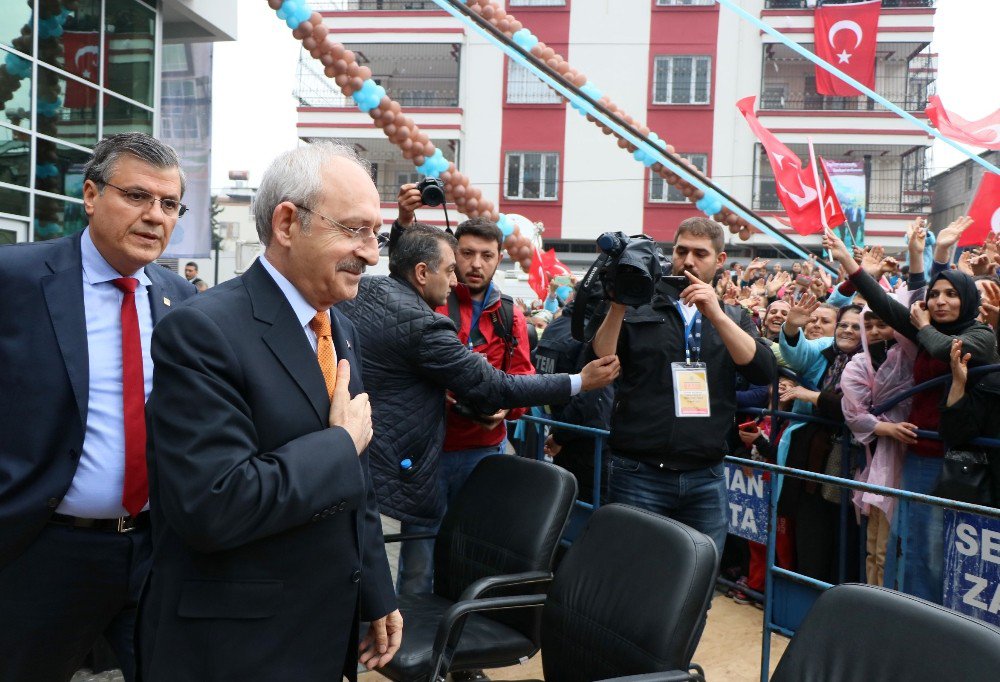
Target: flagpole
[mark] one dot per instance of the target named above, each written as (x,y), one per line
(819,187)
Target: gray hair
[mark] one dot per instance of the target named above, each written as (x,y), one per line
(295,176)
(146,148)
(420,243)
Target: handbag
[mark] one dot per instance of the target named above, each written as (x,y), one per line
(965,477)
(829,491)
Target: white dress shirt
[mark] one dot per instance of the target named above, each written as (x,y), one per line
(300,306)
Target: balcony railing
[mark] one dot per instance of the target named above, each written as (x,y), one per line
(895,184)
(810,4)
(415,75)
(373,5)
(789,82)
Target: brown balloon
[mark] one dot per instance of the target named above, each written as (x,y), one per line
(733,219)
(429,149)
(320,32)
(419,160)
(364,73)
(745,233)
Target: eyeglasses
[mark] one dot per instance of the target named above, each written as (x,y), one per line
(363,234)
(139,197)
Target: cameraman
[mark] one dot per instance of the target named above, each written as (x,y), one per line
(670,464)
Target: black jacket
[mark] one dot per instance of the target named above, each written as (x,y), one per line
(267,541)
(412,355)
(643,425)
(44,378)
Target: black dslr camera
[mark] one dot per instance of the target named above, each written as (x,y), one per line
(431,191)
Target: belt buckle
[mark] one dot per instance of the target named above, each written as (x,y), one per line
(125,524)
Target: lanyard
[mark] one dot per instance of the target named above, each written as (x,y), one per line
(476,315)
(692,333)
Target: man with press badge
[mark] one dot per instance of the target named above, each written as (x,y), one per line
(680,349)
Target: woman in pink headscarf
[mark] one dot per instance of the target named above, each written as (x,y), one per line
(883,370)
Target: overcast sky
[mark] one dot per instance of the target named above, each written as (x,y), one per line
(254,110)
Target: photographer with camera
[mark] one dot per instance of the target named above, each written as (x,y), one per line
(680,353)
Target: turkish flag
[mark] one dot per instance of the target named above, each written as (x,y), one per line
(795,185)
(846,36)
(81,53)
(552,266)
(536,274)
(984,211)
(831,203)
(982,133)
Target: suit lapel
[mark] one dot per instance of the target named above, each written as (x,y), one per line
(63,291)
(286,338)
(158,303)
(345,351)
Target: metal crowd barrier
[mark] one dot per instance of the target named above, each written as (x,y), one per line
(846,484)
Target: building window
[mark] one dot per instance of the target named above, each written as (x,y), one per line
(661,192)
(670,3)
(531,175)
(682,80)
(524,87)
(536,3)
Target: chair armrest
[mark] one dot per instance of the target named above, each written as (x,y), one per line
(401,537)
(504,579)
(450,628)
(665,676)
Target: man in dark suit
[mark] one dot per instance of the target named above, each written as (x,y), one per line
(268,547)
(76,317)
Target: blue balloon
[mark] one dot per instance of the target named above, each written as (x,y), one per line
(49,108)
(589,89)
(710,204)
(17,67)
(505,225)
(645,158)
(525,39)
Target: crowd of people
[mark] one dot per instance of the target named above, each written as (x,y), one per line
(199,480)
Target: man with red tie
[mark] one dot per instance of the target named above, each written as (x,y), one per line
(76,317)
(268,542)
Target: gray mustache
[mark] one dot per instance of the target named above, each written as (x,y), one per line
(353,265)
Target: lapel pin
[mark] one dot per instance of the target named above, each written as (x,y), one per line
(348,345)
(166,301)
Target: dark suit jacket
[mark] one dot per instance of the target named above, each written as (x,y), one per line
(267,539)
(44,378)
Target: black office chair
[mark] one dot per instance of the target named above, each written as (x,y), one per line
(499,535)
(863,632)
(628,599)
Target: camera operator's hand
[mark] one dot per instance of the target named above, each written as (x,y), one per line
(600,372)
(701,295)
(409,201)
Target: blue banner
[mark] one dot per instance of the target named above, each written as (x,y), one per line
(972,565)
(749,499)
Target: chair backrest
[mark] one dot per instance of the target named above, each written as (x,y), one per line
(628,598)
(863,632)
(507,518)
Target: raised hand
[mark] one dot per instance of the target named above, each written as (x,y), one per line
(838,250)
(871,260)
(919,315)
(408,201)
(980,264)
(354,415)
(959,372)
(916,237)
(989,308)
(800,312)
(949,236)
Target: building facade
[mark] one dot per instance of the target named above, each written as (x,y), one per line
(72,73)
(954,189)
(679,65)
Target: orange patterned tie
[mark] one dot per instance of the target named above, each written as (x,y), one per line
(324,349)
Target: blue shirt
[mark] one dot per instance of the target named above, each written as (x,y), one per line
(96,490)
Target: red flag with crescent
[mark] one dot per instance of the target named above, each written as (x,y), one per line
(795,185)
(81,59)
(846,36)
(984,211)
(536,274)
(832,210)
(552,266)
(982,133)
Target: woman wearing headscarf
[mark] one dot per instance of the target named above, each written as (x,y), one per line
(949,312)
(821,362)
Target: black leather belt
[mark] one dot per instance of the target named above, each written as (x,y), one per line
(125,524)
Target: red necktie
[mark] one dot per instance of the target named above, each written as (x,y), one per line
(136,490)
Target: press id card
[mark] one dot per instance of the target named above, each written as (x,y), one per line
(690,389)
